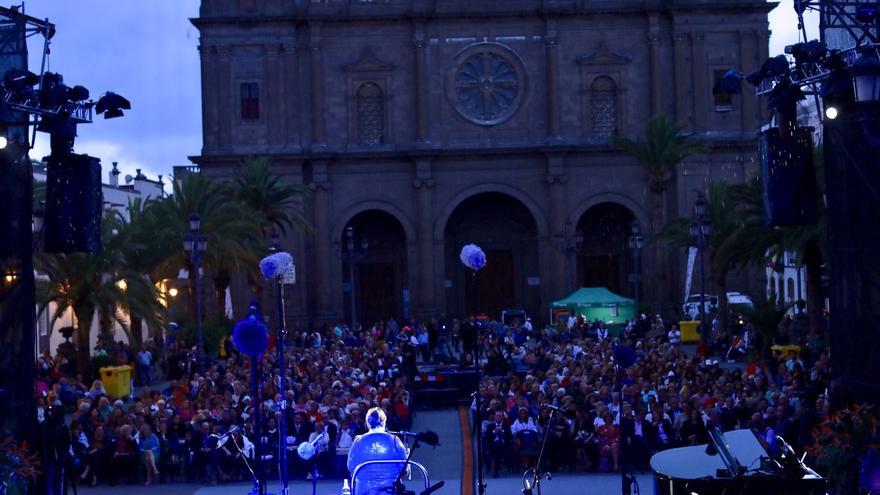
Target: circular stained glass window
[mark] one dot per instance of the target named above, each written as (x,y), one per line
(487,84)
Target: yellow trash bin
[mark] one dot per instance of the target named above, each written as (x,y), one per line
(689,333)
(117,380)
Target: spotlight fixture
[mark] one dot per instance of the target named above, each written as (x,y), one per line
(78,93)
(111,105)
(728,84)
(866,76)
(831,113)
(172,292)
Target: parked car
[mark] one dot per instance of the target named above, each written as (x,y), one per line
(691,307)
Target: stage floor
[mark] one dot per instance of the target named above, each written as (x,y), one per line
(443,463)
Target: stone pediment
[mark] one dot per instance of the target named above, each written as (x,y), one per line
(368,62)
(603,56)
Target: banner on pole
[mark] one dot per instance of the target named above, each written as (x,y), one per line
(692,257)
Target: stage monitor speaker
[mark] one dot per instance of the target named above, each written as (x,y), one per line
(74,204)
(788,176)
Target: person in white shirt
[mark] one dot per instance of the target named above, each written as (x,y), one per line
(674,335)
(523,422)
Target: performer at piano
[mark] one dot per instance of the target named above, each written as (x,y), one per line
(376,444)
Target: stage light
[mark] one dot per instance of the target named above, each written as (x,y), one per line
(172,292)
(866,77)
(123,285)
(728,84)
(831,113)
(111,105)
(78,93)
(3,142)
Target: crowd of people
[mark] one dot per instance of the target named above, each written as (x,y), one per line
(608,417)
(660,396)
(173,429)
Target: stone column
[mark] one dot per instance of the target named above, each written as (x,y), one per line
(321,231)
(421,86)
(700,82)
(551,50)
(683,82)
(561,269)
(224,98)
(654,62)
(748,60)
(424,184)
(319,139)
(210,103)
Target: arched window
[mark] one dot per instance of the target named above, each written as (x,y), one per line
(370,114)
(603,109)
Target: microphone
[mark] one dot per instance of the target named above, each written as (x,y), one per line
(553,408)
(428,437)
(227,434)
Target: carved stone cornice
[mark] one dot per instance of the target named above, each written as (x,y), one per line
(603,56)
(368,62)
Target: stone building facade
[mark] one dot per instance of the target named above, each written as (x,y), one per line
(428,124)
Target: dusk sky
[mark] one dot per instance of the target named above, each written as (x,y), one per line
(147,52)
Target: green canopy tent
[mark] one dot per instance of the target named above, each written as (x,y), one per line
(595,303)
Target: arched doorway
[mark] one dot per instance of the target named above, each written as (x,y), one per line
(505,229)
(606,260)
(379,265)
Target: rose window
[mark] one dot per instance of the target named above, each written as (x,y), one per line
(486,86)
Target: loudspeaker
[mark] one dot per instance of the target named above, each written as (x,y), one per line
(788,176)
(16,177)
(74,203)
(852,186)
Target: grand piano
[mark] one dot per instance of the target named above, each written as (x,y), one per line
(733,463)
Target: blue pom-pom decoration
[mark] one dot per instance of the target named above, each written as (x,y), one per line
(250,336)
(276,265)
(306,450)
(473,257)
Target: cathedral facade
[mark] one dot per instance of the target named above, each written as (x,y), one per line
(419,126)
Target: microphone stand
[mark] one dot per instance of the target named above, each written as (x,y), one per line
(398,488)
(481,485)
(536,471)
(282,423)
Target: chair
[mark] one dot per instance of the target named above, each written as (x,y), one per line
(421,468)
(529,446)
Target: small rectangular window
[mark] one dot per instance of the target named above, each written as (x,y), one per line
(250,101)
(723,102)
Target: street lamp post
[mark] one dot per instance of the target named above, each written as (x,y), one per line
(635,244)
(196,244)
(700,231)
(569,242)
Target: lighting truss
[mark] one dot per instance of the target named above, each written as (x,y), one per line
(78,112)
(808,76)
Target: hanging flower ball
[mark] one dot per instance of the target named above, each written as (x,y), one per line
(306,450)
(276,265)
(250,336)
(473,257)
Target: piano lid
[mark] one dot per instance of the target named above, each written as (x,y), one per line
(693,462)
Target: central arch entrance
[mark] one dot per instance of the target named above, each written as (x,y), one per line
(606,260)
(505,229)
(379,266)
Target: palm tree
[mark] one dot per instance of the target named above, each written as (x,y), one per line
(98,284)
(764,317)
(233,231)
(662,149)
(723,211)
(265,193)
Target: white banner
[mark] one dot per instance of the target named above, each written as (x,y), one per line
(692,257)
